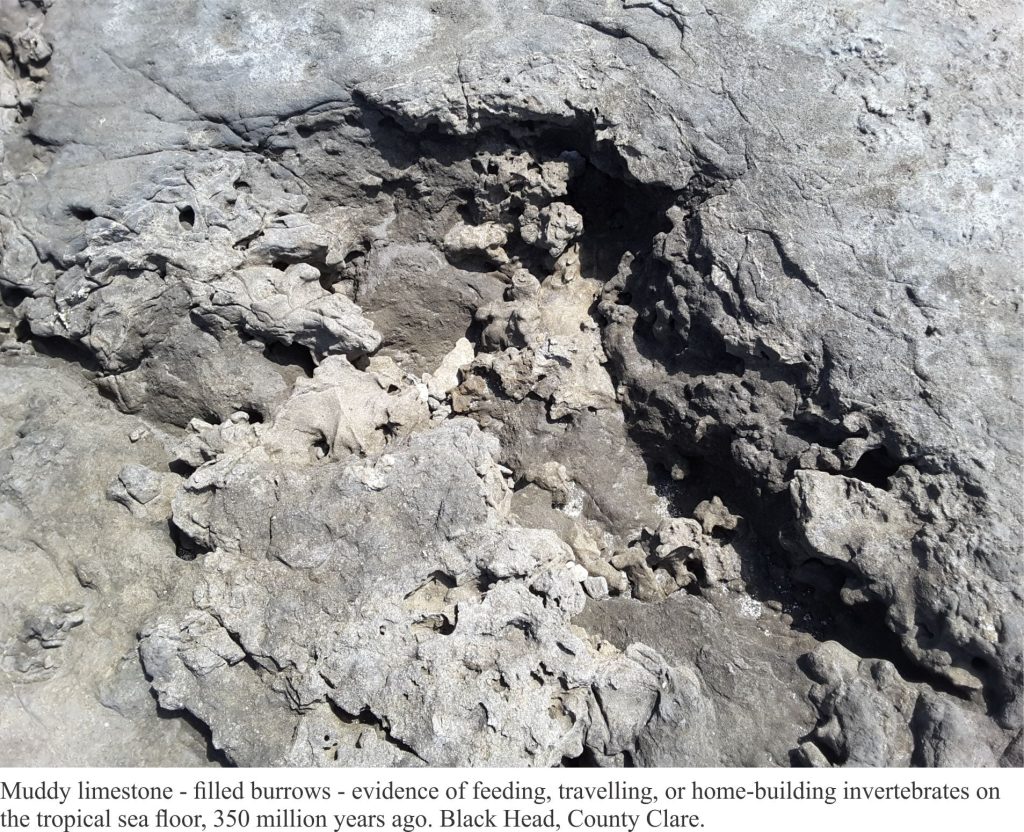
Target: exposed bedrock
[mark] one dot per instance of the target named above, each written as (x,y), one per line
(579,383)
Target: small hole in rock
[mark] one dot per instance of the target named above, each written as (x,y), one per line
(181,468)
(12,296)
(588,759)
(723,534)
(184,546)
(80,212)
(875,467)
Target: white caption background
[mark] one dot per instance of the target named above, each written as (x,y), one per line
(210,800)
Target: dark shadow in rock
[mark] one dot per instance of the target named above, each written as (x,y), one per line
(184,546)
(213,754)
(875,467)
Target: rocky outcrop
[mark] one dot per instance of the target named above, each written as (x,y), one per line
(472,385)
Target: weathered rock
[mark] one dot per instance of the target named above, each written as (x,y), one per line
(712,318)
(81,575)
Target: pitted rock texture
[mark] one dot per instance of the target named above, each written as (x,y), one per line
(563,382)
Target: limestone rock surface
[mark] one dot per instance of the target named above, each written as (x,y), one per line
(627,382)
